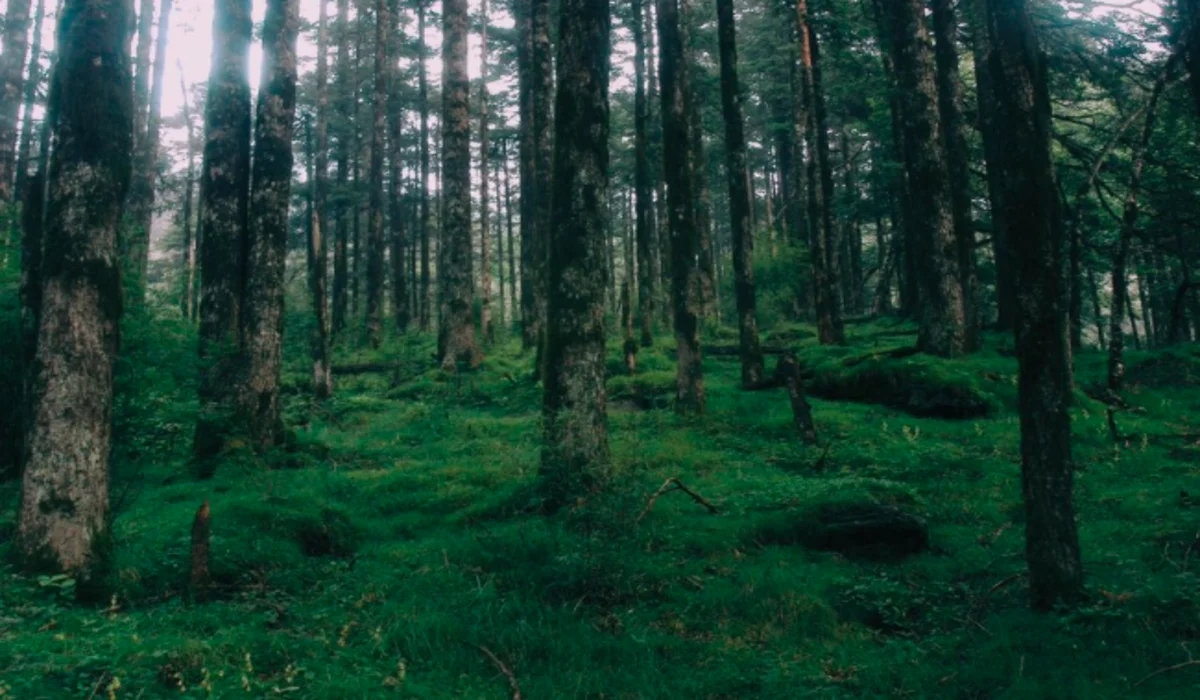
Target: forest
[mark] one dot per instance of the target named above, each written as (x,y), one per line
(599,349)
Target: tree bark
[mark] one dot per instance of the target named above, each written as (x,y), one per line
(399,239)
(646,238)
(12,78)
(135,240)
(530,320)
(942,323)
(824,243)
(270,195)
(1036,233)
(32,85)
(376,249)
(485,202)
(575,456)
(317,253)
(456,327)
(341,244)
(954,136)
(543,154)
(64,501)
(423,315)
(685,273)
(224,188)
(190,233)
(739,197)
(513,272)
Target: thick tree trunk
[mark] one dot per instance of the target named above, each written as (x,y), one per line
(824,241)
(1120,285)
(954,136)
(1036,234)
(485,202)
(575,457)
(270,195)
(942,320)
(376,249)
(685,273)
(225,189)
(1006,294)
(12,79)
(317,253)
(401,315)
(64,500)
(456,327)
(646,238)
(739,197)
(341,244)
(32,84)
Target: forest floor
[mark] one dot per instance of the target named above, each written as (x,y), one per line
(392,551)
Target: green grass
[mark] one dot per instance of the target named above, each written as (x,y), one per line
(394,539)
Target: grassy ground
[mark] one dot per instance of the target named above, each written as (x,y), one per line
(392,552)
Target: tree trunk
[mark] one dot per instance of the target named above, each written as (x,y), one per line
(224,188)
(513,272)
(12,78)
(135,239)
(739,197)
(824,243)
(424,315)
(189,232)
(341,244)
(270,195)
(1120,294)
(485,202)
(64,498)
(317,255)
(646,240)
(530,320)
(456,327)
(685,273)
(500,245)
(32,85)
(575,457)
(543,150)
(399,243)
(942,321)
(954,136)
(376,249)
(1035,232)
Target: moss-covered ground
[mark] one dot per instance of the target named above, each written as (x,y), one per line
(393,549)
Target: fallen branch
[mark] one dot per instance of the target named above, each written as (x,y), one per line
(674,484)
(512,680)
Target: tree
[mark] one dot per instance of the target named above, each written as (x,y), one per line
(929,214)
(423,316)
(64,504)
(375,242)
(12,77)
(270,194)
(647,243)
(190,247)
(542,96)
(575,457)
(224,192)
(32,85)
(318,226)
(400,307)
(341,242)
(739,198)
(456,327)
(1035,232)
(485,262)
(685,272)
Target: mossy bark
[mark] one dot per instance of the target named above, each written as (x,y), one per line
(677,103)
(64,505)
(456,325)
(225,189)
(739,197)
(1036,233)
(270,195)
(930,215)
(575,457)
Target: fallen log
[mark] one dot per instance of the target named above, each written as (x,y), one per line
(365,368)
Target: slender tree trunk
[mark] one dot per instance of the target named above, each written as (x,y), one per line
(270,195)
(64,498)
(423,316)
(317,253)
(646,243)
(1120,296)
(456,327)
(662,229)
(225,190)
(513,272)
(1035,232)
(399,242)
(12,78)
(356,217)
(500,246)
(485,202)
(942,321)
(575,458)
(739,197)
(685,282)
(375,241)
(954,136)
(543,170)
(341,244)
(32,85)
(135,240)
(824,239)
(189,233)
(530,319)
